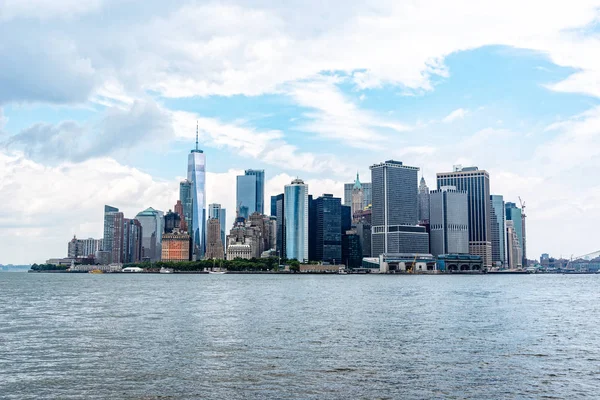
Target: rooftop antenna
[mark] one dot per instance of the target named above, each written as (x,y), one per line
(196,134)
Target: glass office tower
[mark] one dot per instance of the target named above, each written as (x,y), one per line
(196,175)
(296,220)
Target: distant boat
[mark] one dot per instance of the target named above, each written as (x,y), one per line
(164,270)
(216,272)
(132,269)
(96,271)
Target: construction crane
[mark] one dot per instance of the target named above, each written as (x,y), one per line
(522,207)
(524,232)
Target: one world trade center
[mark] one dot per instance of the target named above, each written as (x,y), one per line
(197,176)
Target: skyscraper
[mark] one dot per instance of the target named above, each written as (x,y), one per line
(113,233)
(152,231)
(132,241)
(367,190)
(358,198)
(513,249)
(109,212)
(514,213)
(449,221)
(250,192)
(423,202)
(477,185)
(179,210)
(260,189)
(214,245)
(296,220)
(215,211)
(196,175)
(326,225)
(273,206)
(498,233)
(395,209)
(280,230)
(185,196)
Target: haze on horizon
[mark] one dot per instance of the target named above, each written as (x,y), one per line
(99,102)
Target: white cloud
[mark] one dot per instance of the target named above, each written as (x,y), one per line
(42,207)
(336,117)
(459,113)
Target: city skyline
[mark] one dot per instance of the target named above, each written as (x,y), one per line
(274,88)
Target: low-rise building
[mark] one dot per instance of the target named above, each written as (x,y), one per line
(175,246)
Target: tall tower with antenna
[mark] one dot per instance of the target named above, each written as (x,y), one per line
(196,174)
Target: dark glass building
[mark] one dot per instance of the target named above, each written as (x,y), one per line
(325,229)
(280,215)
(351,251)
(172,221)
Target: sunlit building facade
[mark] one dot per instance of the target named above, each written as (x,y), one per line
(296,220)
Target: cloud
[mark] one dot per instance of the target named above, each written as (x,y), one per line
(459,113)
(46,9)
(333,116)
(117,130)
(42,206)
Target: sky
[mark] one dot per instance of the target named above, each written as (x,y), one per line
(99,102)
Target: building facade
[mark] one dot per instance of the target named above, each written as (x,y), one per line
(216,211)
(196,174)
(83,248)
(259,200)
(214,245)
(423,195)
(152,233)
(395,210)
(325,224)
(498,233)
(172,220)
(358,199)
(449,221)
(280,221)
(515,214)
(477,185)
(515,258)
(296,220)
(367,190)
(132,241)
(186,198)
(175,246)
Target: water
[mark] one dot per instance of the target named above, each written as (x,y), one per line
(74,336)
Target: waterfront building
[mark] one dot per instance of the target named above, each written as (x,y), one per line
(172,221)
(102,257)
(113,233)
(394,210)
(296,220)
(196,175)
(514,259)
(186,198)
(476,183)
(351,250)
(449,221)
(249,238)
(83,248)
(175,246)
(498,232)
(366,193)
(515,214)
(109,227)
(214,245)
(363,230)
(152,232)
(250,192)
(216,211)
(357,199)
(280,221)
(459,263)
(423,195)
(325,224)
(132,241)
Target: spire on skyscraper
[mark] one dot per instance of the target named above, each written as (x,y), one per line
(196,135)
(357,184)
